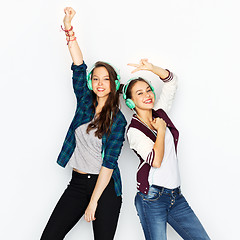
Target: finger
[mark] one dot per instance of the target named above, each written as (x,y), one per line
(67,11)
(136,70)
(93,215)
(133,65)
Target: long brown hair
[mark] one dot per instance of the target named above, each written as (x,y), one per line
(103,122)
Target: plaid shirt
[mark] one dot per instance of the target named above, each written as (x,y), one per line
(111,145)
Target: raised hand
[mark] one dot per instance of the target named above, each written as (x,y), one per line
(69,14)
(143,65)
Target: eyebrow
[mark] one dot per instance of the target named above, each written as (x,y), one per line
(97,75)
(142,89)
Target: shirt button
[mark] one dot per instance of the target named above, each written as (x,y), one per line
(176,139)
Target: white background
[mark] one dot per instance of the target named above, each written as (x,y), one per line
(198,40)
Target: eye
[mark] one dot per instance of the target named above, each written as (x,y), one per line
(106,79)
(140,93)
(94,79)
(149,90)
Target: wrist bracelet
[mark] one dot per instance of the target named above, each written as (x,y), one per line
(71,28)
(70,40)
(68,35)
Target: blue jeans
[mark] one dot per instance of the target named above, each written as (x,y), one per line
(162,205)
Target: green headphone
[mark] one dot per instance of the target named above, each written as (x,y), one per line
(89,80)
(129,102)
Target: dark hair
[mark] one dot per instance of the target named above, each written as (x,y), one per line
(131,84)
(103,122)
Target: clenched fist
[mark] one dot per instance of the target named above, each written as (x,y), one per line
(159,124)
(69,14)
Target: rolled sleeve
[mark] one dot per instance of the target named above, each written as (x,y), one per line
(80,80)
(167,94)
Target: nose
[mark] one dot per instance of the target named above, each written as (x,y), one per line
(100,82)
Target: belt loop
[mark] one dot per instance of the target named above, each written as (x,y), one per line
(162,190)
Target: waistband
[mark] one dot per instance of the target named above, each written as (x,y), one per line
(167,190)
(84,176)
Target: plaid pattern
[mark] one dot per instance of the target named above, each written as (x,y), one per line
(111,145)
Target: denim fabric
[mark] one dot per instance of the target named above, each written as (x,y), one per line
(161,206)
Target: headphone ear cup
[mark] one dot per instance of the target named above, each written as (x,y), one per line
(89,84)
(152,88)
(117,84)
(130,103)
(89,80)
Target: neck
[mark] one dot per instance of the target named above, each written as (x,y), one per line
(145,115)
(100,104)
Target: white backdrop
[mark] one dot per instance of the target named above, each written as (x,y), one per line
(198,40)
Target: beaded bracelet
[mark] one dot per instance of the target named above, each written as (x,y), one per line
(68,35)
(71,28)
(70,40)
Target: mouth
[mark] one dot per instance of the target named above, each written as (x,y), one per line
(148,101)
(100,89)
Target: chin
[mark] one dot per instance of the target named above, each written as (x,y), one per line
(149,107)
(102,95)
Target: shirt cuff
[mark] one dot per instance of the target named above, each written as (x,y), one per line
(81,67)
(168,78)
(108,165)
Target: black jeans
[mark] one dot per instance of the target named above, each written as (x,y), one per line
(73,203)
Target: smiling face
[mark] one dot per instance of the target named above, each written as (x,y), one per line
(101,83)
(142,96)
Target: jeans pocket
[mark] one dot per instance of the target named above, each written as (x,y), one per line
(153,194)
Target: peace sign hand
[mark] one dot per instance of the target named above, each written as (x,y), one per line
(143,65)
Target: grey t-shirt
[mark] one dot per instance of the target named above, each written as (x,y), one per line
(87,155)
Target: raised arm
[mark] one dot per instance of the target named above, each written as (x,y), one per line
(78,67)
(145,65)
(73,47)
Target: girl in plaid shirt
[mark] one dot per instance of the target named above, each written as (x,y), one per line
(92,147)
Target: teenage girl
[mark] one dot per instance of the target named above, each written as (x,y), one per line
(154,138)
(92,147)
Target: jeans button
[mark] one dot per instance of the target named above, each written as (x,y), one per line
(89,176)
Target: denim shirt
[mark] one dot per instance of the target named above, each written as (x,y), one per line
(111,144)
